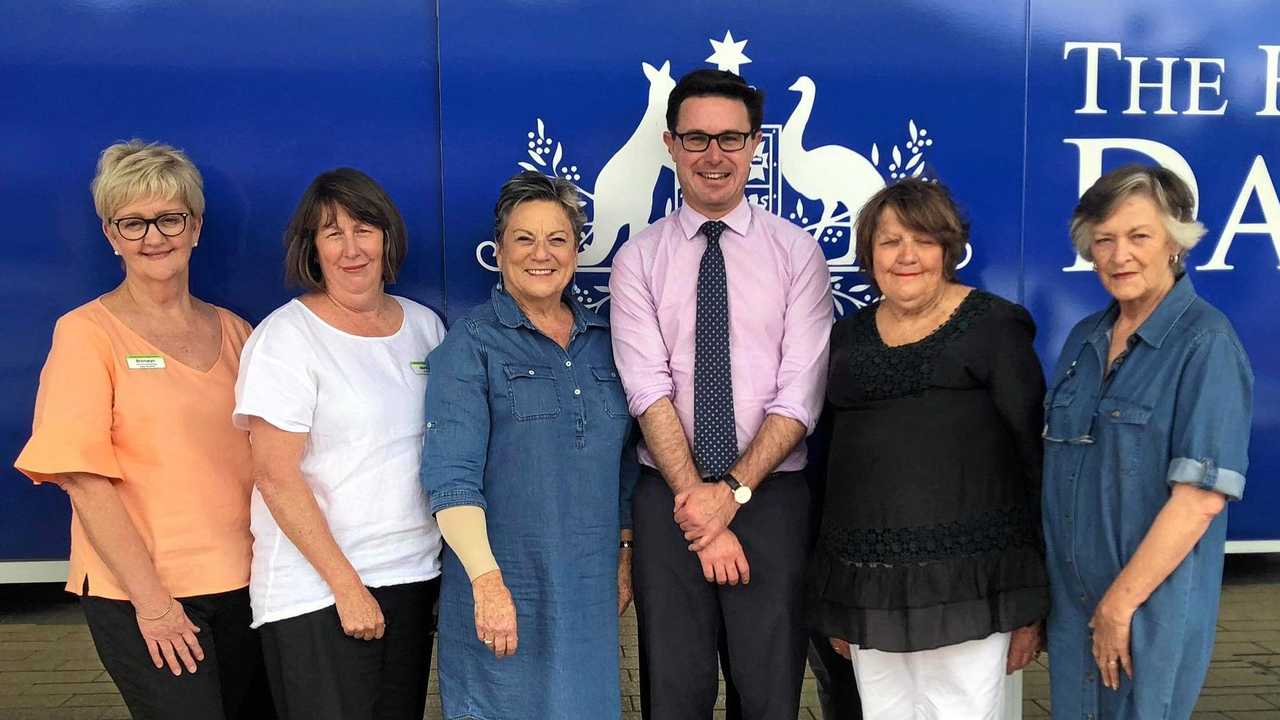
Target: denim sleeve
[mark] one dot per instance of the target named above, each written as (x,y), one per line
(629,473)
(1212,414)
(457,419)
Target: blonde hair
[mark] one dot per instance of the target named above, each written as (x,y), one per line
(137,170)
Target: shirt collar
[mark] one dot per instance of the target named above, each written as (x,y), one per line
(1159,324)
(510,314)
(738,219)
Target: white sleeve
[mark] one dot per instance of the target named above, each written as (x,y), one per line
(277,381)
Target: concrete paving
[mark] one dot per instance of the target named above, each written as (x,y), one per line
(49,669)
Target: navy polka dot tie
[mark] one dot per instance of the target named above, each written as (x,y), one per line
(715,436)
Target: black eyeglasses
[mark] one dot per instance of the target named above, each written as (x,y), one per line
(698,141)
(135,228)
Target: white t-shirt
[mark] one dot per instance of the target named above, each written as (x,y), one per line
(361,400)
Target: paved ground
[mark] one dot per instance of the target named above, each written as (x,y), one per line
(49,669)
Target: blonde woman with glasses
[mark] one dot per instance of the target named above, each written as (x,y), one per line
(133,422)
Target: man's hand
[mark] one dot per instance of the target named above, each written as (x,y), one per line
(723,560)
(703,512)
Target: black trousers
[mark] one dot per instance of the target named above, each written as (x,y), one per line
(837,687)
(319,673)
(229,682)
(687,625)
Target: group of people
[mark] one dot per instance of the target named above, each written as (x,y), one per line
(264,520)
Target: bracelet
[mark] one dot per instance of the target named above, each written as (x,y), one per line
(626,544)
(166,612)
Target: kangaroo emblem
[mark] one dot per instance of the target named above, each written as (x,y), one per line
(624,187)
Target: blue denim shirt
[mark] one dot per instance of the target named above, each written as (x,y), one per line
(1176,409)
(538,436)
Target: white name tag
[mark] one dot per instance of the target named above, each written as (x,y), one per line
(419,367)
(145,362)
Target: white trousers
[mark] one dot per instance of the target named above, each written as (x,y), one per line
(965,681)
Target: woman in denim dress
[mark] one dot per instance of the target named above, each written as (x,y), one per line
(523,460)
(1146,439)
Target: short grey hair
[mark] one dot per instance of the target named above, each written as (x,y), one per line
(530,186)
(139,170)
(1162,186)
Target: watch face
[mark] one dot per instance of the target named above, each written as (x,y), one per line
(742,494)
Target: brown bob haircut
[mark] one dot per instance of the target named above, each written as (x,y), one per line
(921,206)
(363,199)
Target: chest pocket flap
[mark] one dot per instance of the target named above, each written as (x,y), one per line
(1123,411)
(532,390)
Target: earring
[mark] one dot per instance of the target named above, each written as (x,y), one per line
(195,244)
(115,252)
(1173,260)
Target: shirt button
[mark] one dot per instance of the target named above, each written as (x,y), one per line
(568,363)
(577,391)
(1115,413)
(530,371)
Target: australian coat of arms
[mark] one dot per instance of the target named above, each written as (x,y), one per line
(818,188)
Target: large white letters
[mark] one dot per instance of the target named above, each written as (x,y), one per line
(1091,49)
(1272,79)
(1257,183)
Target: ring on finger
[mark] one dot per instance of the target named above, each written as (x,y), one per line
(487,642)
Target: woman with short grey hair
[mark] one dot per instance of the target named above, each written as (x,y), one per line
(523,460)
(1146,438)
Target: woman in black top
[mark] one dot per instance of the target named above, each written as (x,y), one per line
(929,562)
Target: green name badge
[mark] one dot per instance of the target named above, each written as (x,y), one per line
(144,362)
(419,367)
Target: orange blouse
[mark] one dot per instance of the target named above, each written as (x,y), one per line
(112,404)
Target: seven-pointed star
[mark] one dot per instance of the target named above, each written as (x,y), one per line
(728,54)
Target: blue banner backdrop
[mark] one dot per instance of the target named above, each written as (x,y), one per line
(1014,104)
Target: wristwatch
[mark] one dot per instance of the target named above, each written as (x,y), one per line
(741,493)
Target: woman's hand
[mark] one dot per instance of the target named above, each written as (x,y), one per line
(1110,625)
(495,614)
(360,614)
(624,580)
(841,646)
(171,639)
(1025,645)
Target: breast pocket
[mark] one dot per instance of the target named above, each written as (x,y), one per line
(609,387)
(1129,426)
(533,391)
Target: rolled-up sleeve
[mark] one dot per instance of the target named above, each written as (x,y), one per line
(806,341)
(456,443)
(638,348)
(1213,413)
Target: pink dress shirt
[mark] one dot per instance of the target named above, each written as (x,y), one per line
(780,315)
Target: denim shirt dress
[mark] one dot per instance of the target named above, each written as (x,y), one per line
(1176,409)
(538,436)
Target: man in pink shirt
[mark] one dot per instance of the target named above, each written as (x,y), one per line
(721,319)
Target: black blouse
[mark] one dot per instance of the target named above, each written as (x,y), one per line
(931,522)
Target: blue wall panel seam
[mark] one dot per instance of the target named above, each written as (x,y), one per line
(1026,135)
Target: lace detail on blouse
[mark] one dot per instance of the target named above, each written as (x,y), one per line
(991,531)
(882,372)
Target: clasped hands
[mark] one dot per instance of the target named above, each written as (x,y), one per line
(703,512)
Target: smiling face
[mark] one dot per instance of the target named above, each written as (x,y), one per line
(155,257)
(537,253)
(712,180)
(1131,251)
(350,253)
(907,265)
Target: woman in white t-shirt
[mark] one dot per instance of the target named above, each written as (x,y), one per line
(346,558)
